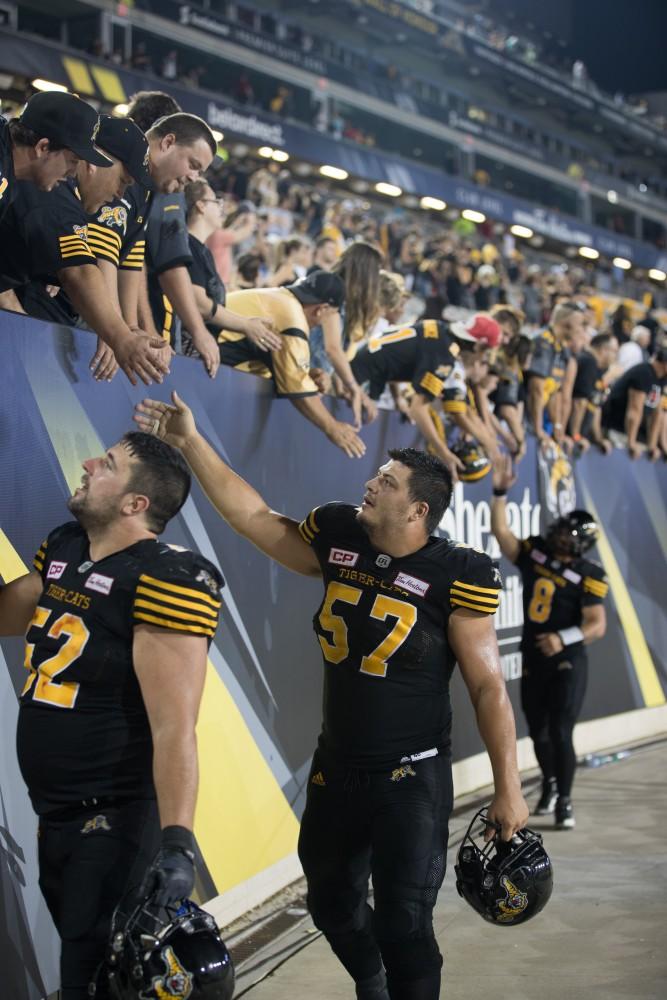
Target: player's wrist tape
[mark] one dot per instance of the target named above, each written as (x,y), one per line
(497,492)
(568,636)
(178,838)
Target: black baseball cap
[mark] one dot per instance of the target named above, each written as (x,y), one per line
(67,120)
(319,288)
(121,138)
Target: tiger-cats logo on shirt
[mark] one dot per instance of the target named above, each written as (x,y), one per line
(114,215)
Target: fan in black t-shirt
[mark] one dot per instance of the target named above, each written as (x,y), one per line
(591,390)
(637,404)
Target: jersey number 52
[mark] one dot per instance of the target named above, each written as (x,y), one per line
(48,690)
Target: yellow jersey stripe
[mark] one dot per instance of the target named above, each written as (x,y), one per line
(473,586)
(101,232)
(166,600)
(141,616)
(432,384)
(103,251)
(71,239)
(172,613)
(476,597)
(454,406)
(138,264)
(38,564)
(76,253)
(303,532)
(177,589)
(311,521)
(307,530)
(431,328)
(457,602)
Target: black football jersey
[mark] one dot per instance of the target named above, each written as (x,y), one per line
(83,730)
(423,354)
(555,592)
(382,626)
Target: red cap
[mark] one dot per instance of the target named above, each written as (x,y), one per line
(480,328)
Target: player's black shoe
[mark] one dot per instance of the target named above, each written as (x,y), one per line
(547,800)
(564,814)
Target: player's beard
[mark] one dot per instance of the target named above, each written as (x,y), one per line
(93,514)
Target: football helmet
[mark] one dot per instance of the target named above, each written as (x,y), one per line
(574,533)
(507,883)
(167,953)
(475,461)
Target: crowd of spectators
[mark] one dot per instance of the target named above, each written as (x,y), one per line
(469,336)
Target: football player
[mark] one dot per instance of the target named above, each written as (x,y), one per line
(117,626)
(400,608)
(563,612)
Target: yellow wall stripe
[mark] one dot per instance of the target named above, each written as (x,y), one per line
(79,76)
(647,675)
(11,564)
(110,84)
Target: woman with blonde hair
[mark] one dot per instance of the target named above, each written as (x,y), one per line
(336,340)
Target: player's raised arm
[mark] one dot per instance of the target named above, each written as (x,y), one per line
(235,500)
(503,479)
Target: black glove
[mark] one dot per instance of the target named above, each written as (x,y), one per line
(171,877)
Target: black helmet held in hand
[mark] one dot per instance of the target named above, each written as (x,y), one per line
(574,533)
(507,883)
(476,464)
(174,951)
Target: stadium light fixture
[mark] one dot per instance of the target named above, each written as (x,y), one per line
(523,231)
(435,203)
(589,253)
(657,274)
(336,173)
(393,190)
(622,262)
(280,156)
(472,216)
(40,84)
(266,152)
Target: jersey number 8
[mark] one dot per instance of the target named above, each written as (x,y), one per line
(539,608)
(383,607)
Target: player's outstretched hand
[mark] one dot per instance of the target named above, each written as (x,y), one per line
(262,333)
(510,812)
(103,365)
(143,356)
(208,350)
(173,422)
(345,437)
(504,476)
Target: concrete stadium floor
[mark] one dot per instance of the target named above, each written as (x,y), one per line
(602,935)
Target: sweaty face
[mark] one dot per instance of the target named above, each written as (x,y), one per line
(52,168)
(386,502)
(175,164)
(104,486)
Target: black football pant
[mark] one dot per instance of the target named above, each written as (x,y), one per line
(552,693)
(88,860)
(393,826)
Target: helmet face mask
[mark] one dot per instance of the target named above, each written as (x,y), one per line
(167,953)
(506,883)
(573,534)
